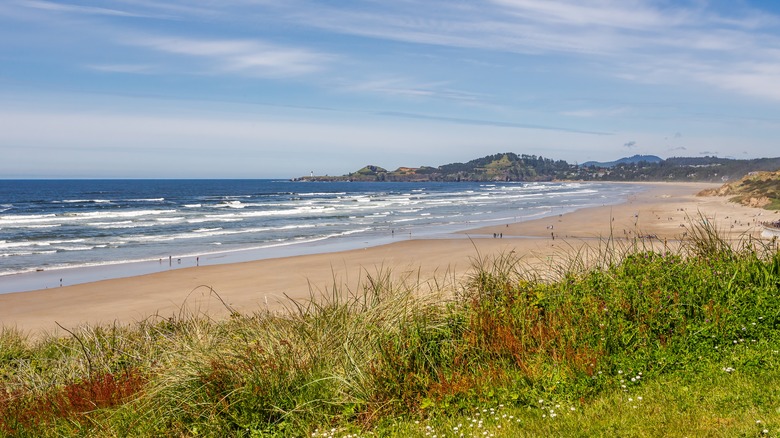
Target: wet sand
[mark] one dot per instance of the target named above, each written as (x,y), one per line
(662,211)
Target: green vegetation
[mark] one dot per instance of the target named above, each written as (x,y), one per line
(637,343)
(513,167)
(757,189)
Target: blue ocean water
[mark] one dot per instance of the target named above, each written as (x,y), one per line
(57,224)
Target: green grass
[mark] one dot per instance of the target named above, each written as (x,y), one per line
(615,342)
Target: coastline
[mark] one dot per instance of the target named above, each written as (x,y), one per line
(269,283)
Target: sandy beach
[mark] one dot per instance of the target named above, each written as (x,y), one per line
(662,211)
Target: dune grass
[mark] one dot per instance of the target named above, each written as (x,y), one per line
(613,341)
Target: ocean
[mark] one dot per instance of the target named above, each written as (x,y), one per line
(83,230)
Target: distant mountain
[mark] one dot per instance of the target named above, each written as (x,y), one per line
(626,160)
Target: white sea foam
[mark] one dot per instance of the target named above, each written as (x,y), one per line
(170,219)
(229,204)
(267,220)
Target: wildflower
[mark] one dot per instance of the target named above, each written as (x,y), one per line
(639,397)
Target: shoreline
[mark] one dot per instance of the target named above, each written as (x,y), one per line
(48,277)
(269,284)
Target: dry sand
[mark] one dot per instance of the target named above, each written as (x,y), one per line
(662,210)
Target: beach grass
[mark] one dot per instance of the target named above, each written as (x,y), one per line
(619,340)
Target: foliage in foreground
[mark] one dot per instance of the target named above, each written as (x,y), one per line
(507,353)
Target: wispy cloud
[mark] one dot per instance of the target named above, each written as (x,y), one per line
(482,122)
(79,9)
(406,87)
(630,144)
(627,14)
(250,57)
(636,40)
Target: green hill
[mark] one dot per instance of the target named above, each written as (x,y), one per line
(509,166)
(757,189)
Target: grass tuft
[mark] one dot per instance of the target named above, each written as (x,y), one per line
(626,338)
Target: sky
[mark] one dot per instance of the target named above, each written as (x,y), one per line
(279,89)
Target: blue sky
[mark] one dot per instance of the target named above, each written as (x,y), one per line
(268,88)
